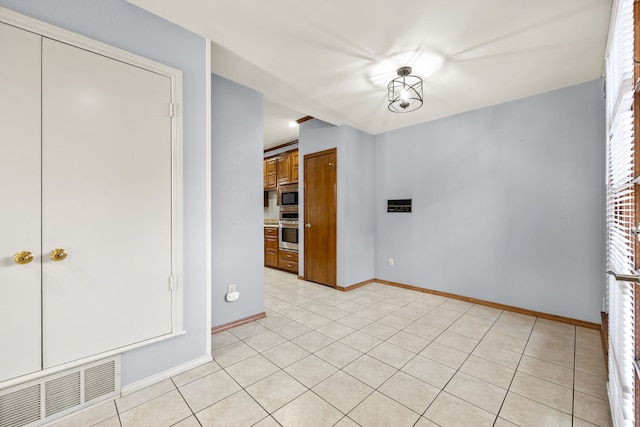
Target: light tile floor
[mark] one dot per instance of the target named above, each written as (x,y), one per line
(378,356)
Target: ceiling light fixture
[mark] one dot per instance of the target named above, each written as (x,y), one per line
(405,92)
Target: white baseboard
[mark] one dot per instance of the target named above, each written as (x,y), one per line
(160,376)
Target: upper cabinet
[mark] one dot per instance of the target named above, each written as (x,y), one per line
(281,169)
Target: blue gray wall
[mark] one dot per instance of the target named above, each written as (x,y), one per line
(508,203)
(123,25)
(236,197)
(356,196)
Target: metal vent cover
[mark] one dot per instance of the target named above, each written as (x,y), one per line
(52,396)
(20,407)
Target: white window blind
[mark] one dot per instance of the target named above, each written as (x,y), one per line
(620,211)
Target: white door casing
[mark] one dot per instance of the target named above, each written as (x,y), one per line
(107,201)
(20,201)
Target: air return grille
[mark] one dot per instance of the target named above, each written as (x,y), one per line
(53,396)
(20,407)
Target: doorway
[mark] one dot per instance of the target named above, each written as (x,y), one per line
(320,217)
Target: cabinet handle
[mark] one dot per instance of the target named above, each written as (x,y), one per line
(57,254)
(308,225)
(23,257)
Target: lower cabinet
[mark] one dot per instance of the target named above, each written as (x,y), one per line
(271,246)
(288,261)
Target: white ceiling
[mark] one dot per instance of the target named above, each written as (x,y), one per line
(332,59)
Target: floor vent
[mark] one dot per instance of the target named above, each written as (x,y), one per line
(53,396)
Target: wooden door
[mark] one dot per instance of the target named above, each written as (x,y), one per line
(20,197)
(107,201)
(320,213)
(283,168)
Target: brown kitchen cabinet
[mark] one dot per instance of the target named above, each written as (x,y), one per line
(288,261)
(283,168)
(271,246)
(270,173)
(293,178)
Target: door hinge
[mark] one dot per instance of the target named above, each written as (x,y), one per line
(172,109)
(171,282)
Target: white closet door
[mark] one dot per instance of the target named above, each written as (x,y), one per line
(106,183)
(20,200)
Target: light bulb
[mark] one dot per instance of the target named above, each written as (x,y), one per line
(404,95)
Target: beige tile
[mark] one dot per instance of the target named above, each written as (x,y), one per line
(139,397)
(474,330)
(477,392)
(440,318)
(423,422)
(291,330)
(424,330)
(457,342)
(394,321)
(360,341)
(247,330)
(251,370)
(346,422)
(488,371)
(592,409)
(448,410)
(308,410)
(342,391)
(378,330)
(385,306)
(593,365)
(162,411)
(312,341)
(529,413)
(354,321)
(333,313)
(311,370)
(379,410)
(285,354)
(222,338)
(391,355)
(485,312)
(517,319)
(592,385)
(546,371)
(446,355)
(553,355)
(273,320)
(233,353)
(504,341)
(192,421)
(429,371)
(559,329)
(350,306)
(335,330)
(313,321)
(501,422)
(548,393)
(432,299)
(370,371)
(457,305)
(338,354)
(371,314)
(276,390)
(499,355)
(514,331)
(577,422)
(267,422)
(264,341)
(209,390)
(552,341)
(411,342)
(409,391)
(115,422)
(93,415)
(195,373)
(226,413)
(413,311)
(589,348)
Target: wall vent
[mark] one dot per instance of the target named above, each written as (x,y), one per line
(44,399)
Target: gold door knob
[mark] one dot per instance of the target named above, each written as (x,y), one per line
(57,254)
(23,257)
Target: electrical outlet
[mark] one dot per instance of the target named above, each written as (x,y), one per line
(231,288)
(390,262)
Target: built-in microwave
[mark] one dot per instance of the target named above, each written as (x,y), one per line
(288,195)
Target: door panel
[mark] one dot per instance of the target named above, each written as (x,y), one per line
(320,209)
(106,180)
(20,195)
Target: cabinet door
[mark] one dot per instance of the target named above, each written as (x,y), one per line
(20,196)
(284,166)
(271,177)
(294,167)
(106,200)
